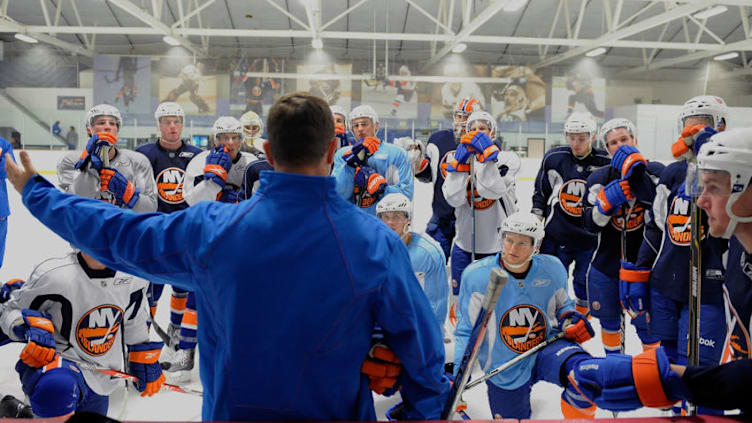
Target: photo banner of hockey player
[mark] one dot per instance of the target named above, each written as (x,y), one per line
(391,98)
(521,99)
(124,82)
(333,91)
(191,84)
(577,92)
(445,96)
(255,93)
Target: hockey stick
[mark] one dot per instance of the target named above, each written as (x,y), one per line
(695,285)
(472,203)
(498,278)
(127,376)
(160,332)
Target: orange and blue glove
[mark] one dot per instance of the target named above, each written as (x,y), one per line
(634,290)
(91,153)
(382,368)
(370,181)
(360,152)
(613,196)
(481,144)
(39,333)
(228,195)
(143,363)
(460,161)
(8,288)
(575,326)
(690,141)
(627,160)
(217,165)
(126,194)
(345,137)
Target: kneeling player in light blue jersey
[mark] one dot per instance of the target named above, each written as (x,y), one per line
(426,256)
(532,307)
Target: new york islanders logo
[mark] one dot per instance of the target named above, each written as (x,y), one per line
(571,195)
(523,327)
(480,202)
(633,222)
(97,330)
(170,185)
(678,222)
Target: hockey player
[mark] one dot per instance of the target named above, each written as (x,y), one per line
(169,157)
(532,307)
(190,78)
(346,138)
(253,129)
(427,260)
(5,148)
(127,181)
(370,169)
(308,346)
(482,194)
(559,198)
(405,90)
(617,197)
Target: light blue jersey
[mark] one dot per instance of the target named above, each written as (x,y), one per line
(526,314)
(428,263)
(389,161)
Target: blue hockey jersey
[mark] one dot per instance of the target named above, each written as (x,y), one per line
(440,150)
(295,353)
(428,263)
(5,147)
(169,173)
(252,176)
(526,314)
(738,287)
(560,190)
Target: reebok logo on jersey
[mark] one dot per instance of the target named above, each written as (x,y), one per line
(187,154)
(98,329)
(571,195)
(170,185)
(635,220)
(678,222)
(540,283)
(523,327)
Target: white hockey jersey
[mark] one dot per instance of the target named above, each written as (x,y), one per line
(94,317)
(494,198)
(196,189)
(133,165)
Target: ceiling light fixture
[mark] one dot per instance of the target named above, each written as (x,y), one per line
(317,43)
(459,48)
(596,52)
(710,12)
(169,39)
(727,56)
(25,38)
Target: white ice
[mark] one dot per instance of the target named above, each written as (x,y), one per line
(28,243)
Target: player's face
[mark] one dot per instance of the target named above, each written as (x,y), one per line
(104,124)
(517,248)
(252,131)
(339,120)
(480,126)
(580,143)
(460,119)
(716,189)
(396,220)
(706,120)
(618,137)
(231,141)
(363,127)
(170,128)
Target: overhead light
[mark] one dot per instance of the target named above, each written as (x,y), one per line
(727,56)
(25,38)
(596,52)
(514,5)
(459,48)
(710,12)
(169,39)
(317,43)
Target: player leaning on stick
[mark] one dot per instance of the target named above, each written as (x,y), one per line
(560,190)
(617,197)
(532,307)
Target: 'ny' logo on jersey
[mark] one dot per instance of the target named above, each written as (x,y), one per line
(170,185)
(678,222)
(571,195)
(97,329)
(522,327)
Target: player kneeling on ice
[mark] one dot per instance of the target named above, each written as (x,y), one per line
(532,308)
(75,314)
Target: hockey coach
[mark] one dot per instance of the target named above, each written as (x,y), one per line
(289,284)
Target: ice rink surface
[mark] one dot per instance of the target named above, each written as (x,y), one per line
(29,243)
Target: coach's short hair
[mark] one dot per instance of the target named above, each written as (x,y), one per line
(300,128)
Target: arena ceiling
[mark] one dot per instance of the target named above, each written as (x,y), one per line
(637,35)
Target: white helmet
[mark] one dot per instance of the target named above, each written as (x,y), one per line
(169,108)
(480,115)
(338,110)
(615,124)
(579,123)
(404,70)
(709,105)
(227,125)
(364,110)
(730,152)
(250,118)
(395,202)
(103,110)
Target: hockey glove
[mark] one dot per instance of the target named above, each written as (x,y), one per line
(39,333)
(620,382)
(481,144)
(575,326)
(143,362)
(627,160)
(370,181)
(126,194)
(228,195)
(360,152)
(91,153)
(9,287)
(690,141)
(634,289)
(382,368)
(218,163)
(611,197)
(345,137)
(459,162)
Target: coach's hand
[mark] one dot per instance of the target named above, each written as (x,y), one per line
(17,176)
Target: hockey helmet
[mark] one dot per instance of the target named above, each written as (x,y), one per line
(709,105)
(580,123)
(169,108)
(249,120)
(227,125)
(364,110)
(480,115)
(103,110)
(616,123)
